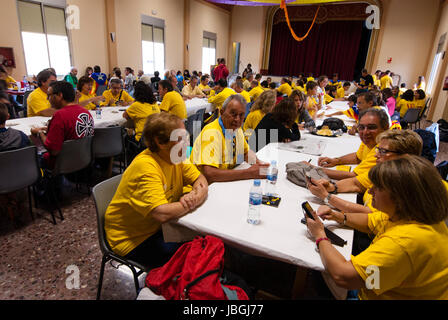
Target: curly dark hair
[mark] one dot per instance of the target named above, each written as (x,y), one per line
(143,93)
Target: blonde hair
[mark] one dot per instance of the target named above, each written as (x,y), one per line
(416,186)
(265,102)
(158,128)
(402,141)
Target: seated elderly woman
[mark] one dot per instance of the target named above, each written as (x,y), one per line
(262,106)
(282,121)
(408,258)
(151,193)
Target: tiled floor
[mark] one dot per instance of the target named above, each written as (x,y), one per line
(37,259)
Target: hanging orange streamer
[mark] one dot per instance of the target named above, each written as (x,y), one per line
(283,6)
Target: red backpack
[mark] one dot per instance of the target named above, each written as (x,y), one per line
(195,273)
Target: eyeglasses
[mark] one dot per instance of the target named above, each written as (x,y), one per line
(369,127)
(383,151)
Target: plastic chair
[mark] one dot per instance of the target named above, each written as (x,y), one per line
(102,195)
(19,169)
(248,107)
(100,90)
(75,155)
(411,116)
(192,124)
(108,142)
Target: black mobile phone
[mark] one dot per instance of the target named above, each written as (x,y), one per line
(334,238)
(307,209)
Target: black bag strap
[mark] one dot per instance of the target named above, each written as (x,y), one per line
(195,281)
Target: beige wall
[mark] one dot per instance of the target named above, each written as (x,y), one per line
(204,17)
(10,35)
(89,42)
(247,28)
(408,31)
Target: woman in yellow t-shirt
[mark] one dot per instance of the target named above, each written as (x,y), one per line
(151,193)
(87,99)
(406,102)
(262,106)
(408,257)
(145,105)
(420,99)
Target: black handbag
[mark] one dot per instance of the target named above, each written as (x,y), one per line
(334,124)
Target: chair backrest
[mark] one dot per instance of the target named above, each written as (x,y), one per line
(25,103)
(195,123)
(18,169)
(100,90)
(74,156)
(248,107)
(102,196)
(107,142)
(411,115)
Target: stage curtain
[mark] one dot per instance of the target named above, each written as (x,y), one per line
(331,47)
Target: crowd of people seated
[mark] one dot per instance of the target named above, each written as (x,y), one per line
(401,224)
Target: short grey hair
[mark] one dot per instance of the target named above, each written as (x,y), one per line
(238,97)
(380,114)
(115,81)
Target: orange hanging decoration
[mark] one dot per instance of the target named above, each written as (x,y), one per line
(299,39)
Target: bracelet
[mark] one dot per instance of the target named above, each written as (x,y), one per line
(345,219)
(335,191)
(319,241)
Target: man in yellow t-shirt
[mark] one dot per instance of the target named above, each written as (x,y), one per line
(284,88)
(191,90)
(151,193)
(386,80)
(205,88)
(255,91)
(223,93)
(248,81)
(221,146)
(116,96)
(37,102)
(237,86)
(341,92)
(372,122)
(172,101)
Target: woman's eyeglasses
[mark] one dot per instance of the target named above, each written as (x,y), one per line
(383,151)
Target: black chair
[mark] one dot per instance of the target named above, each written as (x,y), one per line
(108,143)
(194,124)
(102,195)
(19,169)
(75,155)
(411,116)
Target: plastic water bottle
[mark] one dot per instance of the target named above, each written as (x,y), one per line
(98,112)
(255,199)
(272,179)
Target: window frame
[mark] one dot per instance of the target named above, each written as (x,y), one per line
(209,37)
(42,5)
(154,25)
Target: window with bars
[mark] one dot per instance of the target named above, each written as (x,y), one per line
(44,37)
(153,49)
(208,54)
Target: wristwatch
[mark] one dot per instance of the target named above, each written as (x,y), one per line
(327,199)
(335,191)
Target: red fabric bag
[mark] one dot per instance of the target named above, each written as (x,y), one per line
(194,273)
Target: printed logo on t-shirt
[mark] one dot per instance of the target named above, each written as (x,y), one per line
(84,125)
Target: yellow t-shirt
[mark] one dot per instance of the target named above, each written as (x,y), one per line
(412,260)
(340,93)
(309,79)
(364,180)
(188,91)
(111,100)
(328,99)
(420,104)
(301,89)
(147,183)
(246,85)
(367,157)
(246,95)
(311,102)
(255,93)
(285,89)
(404,105)
(11,82)
(202,87)
(386,82)
(211,148)
(376,81)
(91,105)
(218,100)
(36,102)
(139,112)
(174,103)
(253,119)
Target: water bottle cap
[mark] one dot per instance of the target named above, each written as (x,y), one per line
(257,183)
(274,162)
